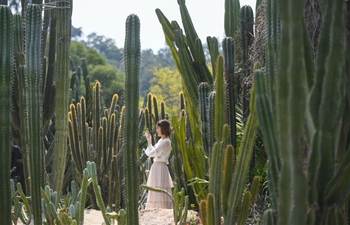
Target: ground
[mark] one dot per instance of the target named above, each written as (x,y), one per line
(146,217)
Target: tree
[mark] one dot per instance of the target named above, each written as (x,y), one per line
(111,79)
(106,47)
(79,51)
(166,85)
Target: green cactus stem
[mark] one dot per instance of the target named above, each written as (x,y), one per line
(231,88)
(63,14)
(6,62)
(232,8)
(203,90)
(132,57)
(268,129)
(34,102)
(292,102)
(273,32)
(243,161)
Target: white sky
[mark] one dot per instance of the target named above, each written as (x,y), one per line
(107,18)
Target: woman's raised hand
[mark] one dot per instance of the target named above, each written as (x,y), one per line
(148,135)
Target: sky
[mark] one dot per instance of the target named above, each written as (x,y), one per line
(107,18)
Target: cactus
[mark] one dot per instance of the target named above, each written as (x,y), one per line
(273,32)
(6,42)
(247,22)
(203,90)
(320,104)
(81,149)
(33,72)
(63,12)
(242,165)
(231,88)
(132,55)
(232,9)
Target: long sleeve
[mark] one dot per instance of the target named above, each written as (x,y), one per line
(160,151)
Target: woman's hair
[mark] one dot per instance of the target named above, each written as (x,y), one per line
(165,127)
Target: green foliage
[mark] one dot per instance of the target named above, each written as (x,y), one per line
(111,79)
(79,51)
(166,84)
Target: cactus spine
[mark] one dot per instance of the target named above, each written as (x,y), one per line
(132,56)
(5,110)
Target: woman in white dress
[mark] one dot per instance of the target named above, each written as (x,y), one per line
(159,176)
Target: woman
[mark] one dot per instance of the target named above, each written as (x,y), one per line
(159,176)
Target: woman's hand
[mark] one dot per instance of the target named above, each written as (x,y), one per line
(148,136)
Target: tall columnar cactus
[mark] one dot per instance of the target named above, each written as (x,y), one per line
(82,148)
(203,90)
(6,63)
(242,166)
(247,24)
(34,101)
(132,56)
(307,112)
(232,8)
(273,33)
(63,13)
(231,88)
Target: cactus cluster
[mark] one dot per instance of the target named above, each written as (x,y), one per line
(303,107)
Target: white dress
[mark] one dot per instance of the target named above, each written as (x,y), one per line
(159,176)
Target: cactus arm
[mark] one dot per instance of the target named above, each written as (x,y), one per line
(232,8)
(5,111)
(268,217)
(213,51)
(229,162)
(219,99)
(74,139)
(243,161)
(268,129)
(203,210)
(231,89)
(156,111)
(169,34)
(191,34)
(327,98)
(244,210)
(271,51)
(83,126)
(215,177)
(210,209)
(132,55)
(190,78)
(96,116)
(204,72)
(97,190)
(203,90)
(247,22)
